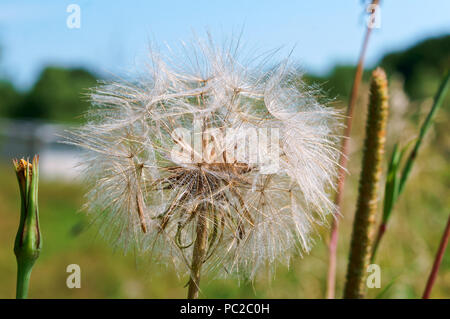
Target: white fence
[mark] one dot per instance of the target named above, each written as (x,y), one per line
(20,138)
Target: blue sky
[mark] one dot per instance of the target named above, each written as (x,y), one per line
(114,35)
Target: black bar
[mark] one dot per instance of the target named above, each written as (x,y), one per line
(220,308)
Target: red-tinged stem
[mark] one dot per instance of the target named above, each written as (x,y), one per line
(198,255)
(332,247)
(437,261)
(381,231)
(332,251)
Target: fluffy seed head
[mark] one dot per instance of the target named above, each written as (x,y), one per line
(209,132)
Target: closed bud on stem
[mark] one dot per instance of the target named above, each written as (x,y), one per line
(365,216)
(28,241)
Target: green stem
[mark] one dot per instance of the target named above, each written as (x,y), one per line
(23,279)
(28,242)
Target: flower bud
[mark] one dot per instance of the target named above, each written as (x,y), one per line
(28,241)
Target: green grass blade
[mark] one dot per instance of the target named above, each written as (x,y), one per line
(395,185)
(386,289)
(390,195)
(391,186)
(438,101)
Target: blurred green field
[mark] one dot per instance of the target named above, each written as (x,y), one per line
(405,255)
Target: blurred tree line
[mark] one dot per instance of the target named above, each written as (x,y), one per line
(421,67)
(59,94)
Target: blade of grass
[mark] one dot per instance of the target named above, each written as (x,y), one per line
(394,185)
(438,101)
(390,194)
(386,288)
(391,183)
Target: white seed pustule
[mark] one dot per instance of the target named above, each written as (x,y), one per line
(150,181)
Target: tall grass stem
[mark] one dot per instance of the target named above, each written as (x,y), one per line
(334,234)
(365,216)
(437,261)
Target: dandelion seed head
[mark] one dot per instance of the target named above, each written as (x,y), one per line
(186,140)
